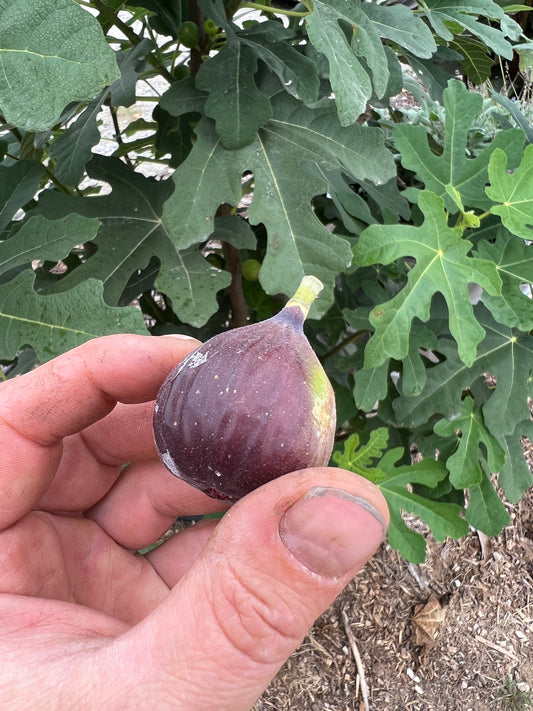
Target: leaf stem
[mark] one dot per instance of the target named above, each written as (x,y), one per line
(118,134)
(59,185)
(342,345)
(275,10)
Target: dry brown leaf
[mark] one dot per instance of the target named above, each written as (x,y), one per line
(426,621)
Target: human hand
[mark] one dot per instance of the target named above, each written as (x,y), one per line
(202,622)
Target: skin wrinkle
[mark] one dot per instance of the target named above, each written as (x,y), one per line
(258,618)
(17,578)
(64,495)
(19,433)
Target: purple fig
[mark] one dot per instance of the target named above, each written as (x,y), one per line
(248,405)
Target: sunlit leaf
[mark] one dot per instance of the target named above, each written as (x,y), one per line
(513,191)
(442,265)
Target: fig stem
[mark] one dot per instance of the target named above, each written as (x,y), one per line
(310,287)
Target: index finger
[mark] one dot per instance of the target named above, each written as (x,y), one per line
(66,395)
(79,387)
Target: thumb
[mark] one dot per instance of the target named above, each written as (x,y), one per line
(275,562)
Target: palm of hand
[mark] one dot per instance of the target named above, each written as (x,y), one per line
(73,519)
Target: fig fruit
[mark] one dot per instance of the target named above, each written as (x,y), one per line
(250,269)
(248,405)
(189,34)
(210,27)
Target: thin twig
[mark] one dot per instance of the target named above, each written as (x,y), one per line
(357,657)
(239,307)
(497,648)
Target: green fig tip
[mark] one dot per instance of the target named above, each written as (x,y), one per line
(310,287)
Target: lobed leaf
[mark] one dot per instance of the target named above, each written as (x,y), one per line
(464,465)
(477,61)
(72,150)
(505,353)
(453,169)
(55,324)
(52,52)
(486,511)
(18,185)
(298,243)
(513,192)
(235,103)
(514,261)
(271,43)
(515,476)
(40,238)
(132,232)
(442,265)
(443,14)
(350,36)
(395,484)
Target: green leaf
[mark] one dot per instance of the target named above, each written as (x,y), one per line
(413,369)
(192,285)
(445,13)
(516,477)
(370,386)
(486,511)
(477,62)
(40,238)
(350,35)
(464,465)
(131,63)
(166,15)
(131,233)
(514,192)
(467,176)
(429,73)
(183,97)
(298,243)
(514,261)
(55,324)
(52,53)
(358,457)
(444,519)
(349,77)
(442,265)
(513,107)
(234,101)
(395,484)
(71,151)
(353,209)
(18,184)
(234,230)
(270,42)
(504,353)
(401,26)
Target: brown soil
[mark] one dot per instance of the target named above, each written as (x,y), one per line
(451,655)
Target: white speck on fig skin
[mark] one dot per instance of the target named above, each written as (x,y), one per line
(169,463)
(193,360)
